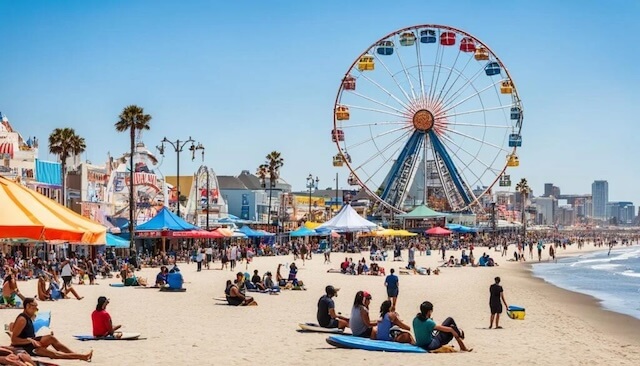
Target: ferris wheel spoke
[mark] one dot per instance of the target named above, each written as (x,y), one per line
(459,74)
(466,166)
(403,104)
(453,67)
(463,87)
(383,164)
(452,182)
(477,125)
(381,151)
(442,115)
(394,78)
(376,102)
(406,74)
(361,166)
(473,156)
(478,140)
(419,57)
(346,126)
(433,74)
(447,107)
(375,110)
(374,137)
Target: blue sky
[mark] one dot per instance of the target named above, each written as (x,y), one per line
(248,77)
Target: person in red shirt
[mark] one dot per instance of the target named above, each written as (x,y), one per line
(102,325)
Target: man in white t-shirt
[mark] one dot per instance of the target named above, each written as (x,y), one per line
(233,257)
(209,253)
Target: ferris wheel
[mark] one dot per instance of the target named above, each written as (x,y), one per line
(427,114)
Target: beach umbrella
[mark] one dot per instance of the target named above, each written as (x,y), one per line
(438,231)
(25,213)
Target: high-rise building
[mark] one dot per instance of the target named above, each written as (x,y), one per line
(600,196)
(548,189)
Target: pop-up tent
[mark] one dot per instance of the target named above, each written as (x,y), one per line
(166,220)
(27,214)
(347,220)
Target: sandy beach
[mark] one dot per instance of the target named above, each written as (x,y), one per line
(192,328)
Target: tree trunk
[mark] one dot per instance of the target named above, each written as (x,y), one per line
(269,213)
(524,221)
(63,167)
(132,203)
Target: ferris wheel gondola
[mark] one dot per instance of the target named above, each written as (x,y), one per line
(428,114)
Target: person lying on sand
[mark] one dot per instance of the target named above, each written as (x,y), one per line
(10,356)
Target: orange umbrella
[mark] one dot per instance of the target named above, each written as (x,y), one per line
(27,214)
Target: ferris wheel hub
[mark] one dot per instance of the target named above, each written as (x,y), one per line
(423,120)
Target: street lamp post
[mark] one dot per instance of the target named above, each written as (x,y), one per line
(311,184)
(177,147)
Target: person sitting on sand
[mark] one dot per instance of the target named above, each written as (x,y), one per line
(9,356)
(390,326)
(234,295)
(44,292)
(268,282)
(102,324)
(327,316)
(423,327)
(256,280)
(10,290)
(293,273)
(279,277)
(359,322)
(161,278)
(23,336)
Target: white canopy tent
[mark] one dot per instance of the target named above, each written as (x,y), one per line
(347,220)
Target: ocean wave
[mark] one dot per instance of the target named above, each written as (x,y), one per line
(606,267)
(630,274)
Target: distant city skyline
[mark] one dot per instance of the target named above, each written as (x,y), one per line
(271,86)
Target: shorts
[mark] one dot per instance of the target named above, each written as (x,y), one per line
(10,300)
(333,323)
(366,334)
(29,348)
(496,308)
(209,258)
(67,280)
(235,301)
(392,292)
(394,332)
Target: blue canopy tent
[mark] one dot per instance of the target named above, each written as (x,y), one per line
(249,232)
(303,231)
(116,241)
(166,220)
(461,229)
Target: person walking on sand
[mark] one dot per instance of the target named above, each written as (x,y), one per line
(391,282)
(496,294)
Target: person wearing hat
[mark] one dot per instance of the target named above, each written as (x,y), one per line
(102,324)
(327,316)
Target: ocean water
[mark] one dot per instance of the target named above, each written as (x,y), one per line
(613,279)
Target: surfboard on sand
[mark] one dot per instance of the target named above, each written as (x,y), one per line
(342,341)
(125,337)
(312,327)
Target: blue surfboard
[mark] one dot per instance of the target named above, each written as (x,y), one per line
(343,341)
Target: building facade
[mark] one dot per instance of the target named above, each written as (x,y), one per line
(600,197)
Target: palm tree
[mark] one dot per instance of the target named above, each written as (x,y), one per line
(132,119)
(64,142)
(274,163)
(523,188)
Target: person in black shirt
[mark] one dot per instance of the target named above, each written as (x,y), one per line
(327,316)
(495,297)
(23,336)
